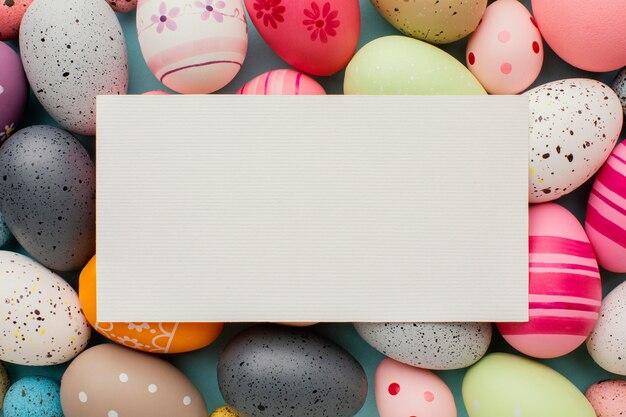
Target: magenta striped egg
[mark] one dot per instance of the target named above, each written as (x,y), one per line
(564,286)
(285,82)
(193,46)
(606,212)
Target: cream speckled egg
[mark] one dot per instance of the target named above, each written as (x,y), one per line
(43,322)
(193,46)
(574,125)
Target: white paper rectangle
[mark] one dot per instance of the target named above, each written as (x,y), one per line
(325,208)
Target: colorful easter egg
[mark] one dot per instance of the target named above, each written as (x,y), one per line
(43,322)
(112,381)
(402,390)
(588,34)
(441,21)
(11,14)
(193,46)
(607,343)
(608,398)
(224,411)
(73,51)
(429,345)
(33,396)
(392,65)
(605,223)
(47,196)
(574,125)
(5,383)
(270,370)
(156,93)
(315,36)
(282,82)
(13,91)
(564,286)
(148,337)
(123,6)
(619,86)
(501,384)
(505,53)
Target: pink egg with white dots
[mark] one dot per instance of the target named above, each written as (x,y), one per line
(404,391)
(505,53)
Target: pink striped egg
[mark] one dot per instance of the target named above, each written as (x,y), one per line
(193,46)
(285,82)
(606,212)
(564,286)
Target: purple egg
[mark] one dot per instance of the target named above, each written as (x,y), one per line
(13,91)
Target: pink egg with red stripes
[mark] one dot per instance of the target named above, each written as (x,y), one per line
(284,82)
(606,212)
(564,286)
(193,46)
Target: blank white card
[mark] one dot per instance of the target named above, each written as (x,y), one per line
(319,208)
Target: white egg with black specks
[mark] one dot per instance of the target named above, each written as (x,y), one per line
(574,125)
(42,320)
(439,346)
(607,342)
(73,51)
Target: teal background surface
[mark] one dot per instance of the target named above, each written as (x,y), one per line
(200,366)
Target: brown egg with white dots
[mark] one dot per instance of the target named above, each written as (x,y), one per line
(113,381)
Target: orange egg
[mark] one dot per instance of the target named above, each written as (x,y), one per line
(147,337)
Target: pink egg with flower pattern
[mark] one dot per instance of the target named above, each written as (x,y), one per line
(318,37)
(282,82)
(193,46)
(505,52)
(404,391)
(11,13)
(564,286)
(606,212)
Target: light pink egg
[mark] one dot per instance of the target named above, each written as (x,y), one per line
(608,398)
(123,6)
(606,212)
(505,52)
(156,93)
(11,13)
(564,286)
(282,82)
(404,391)
(193,46)
(588,34)
(315,36)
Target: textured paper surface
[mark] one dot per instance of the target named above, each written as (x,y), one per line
(334,208)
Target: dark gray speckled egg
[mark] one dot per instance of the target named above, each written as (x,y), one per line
(438,346)
(619,86)
(277,371)
(47,196)
(72,51)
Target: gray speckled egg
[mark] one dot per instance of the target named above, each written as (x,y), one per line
(619,86)
(278,371)
(607,342)
(574,125)
(47,196)
(42,323)
(5,383)
(72,51)
(429,345)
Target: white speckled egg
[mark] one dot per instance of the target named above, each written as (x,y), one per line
(42,320)
(193,46)
(438,346)
(607,343)
(574,125)
(72,51)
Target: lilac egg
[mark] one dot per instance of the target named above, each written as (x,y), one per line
(13,91)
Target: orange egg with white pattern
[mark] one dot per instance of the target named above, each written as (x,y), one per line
(147,337)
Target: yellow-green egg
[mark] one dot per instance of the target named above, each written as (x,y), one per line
(397,65)
(502,384)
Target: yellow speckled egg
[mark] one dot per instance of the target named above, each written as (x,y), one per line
(224,411)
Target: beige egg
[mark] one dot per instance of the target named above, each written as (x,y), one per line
(112,381)
(442,21)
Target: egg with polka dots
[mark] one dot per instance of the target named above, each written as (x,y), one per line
(574,125)
(505,52)
(607,343)
(112,381)
(73,51)
(33,396)
(42,320)
(402,390)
